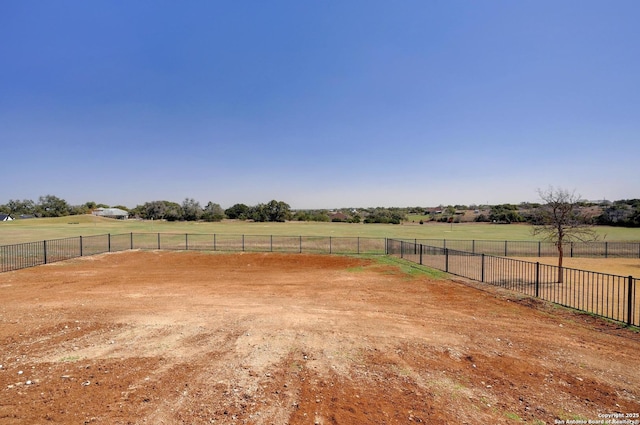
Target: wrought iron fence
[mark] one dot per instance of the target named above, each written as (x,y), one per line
(259,243)
(18,256)
(610,296)
(537,248)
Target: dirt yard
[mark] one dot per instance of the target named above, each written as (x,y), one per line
(616,266)
(197,338)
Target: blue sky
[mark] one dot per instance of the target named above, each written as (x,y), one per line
(320,104)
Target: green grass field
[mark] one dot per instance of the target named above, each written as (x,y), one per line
(30,230)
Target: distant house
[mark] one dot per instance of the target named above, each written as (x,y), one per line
(5,217)
(116,213)
(338,216)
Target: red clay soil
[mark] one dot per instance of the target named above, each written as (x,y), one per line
(198,338)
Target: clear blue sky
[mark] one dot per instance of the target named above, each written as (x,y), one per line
(320,104)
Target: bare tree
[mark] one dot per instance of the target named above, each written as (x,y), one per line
(560,220)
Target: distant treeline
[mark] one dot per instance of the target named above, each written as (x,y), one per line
(192,210)
(618,213)
(624,213)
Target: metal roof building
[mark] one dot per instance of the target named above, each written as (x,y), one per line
(111,213)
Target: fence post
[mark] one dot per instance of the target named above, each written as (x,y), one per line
(473,246)
(482,270)
(131,240)
(571,250)
(108,242)
(243,243)
(271,243)
(358,245)
(420,254)
(505,248)
(401,249)
(539,249)
(301,244)
(538,279)
(446,260)
(630,300)
(606,250)
(186,242)
(44,249)
(158,240)
(81,246)
(214,241)
(330,245)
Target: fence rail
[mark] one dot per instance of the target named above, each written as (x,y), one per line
(537,248)
(19,256)
(610,296)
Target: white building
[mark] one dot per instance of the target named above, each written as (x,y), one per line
(111,213)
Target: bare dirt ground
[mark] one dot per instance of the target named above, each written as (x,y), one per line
(617,266)
(197,338)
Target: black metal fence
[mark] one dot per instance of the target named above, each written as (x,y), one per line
(537,248)
(30,254)
(610,296)
(19,256)
(258,243)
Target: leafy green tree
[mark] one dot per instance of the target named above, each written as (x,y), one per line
(634,220)
(78,210)
(259,213)
(481,218)
(154,210)
(320,216)
(238,212)
(505,213)
(311,215)
(160,210)
(191,210)
(137,211)
(16,207)
(213,212)
(385,216)
(277,211)
(301,216)
(624,213)
(52,206)
(173,211)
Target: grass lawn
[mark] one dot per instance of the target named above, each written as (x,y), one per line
(30,230)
